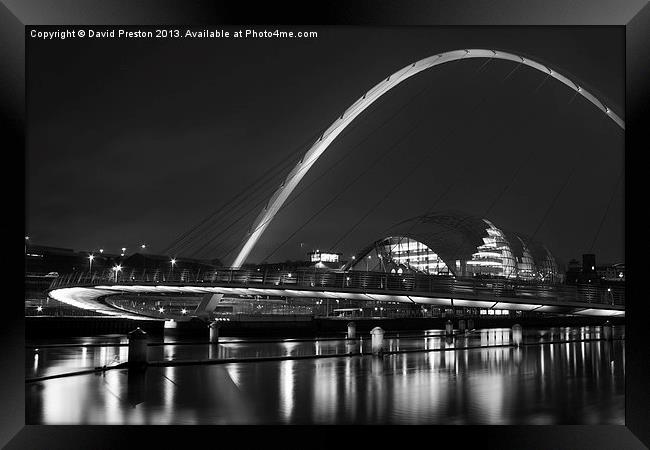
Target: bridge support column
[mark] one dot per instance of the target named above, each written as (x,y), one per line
(377,342)
(208,304)
(607,331)
(352,330)
(137,349)
(470,324)
(214,332)
(517,334)
(461,325)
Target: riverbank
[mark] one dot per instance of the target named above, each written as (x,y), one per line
(43,327)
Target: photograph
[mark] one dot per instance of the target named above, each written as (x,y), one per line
(341,222)
(332,225)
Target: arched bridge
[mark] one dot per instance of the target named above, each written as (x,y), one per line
(280,196)
(90,292)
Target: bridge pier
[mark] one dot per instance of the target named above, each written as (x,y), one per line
(208,304)
(449,328)
(607,331)
(137,358)
(352,330)
(377,342)
(517,334)
(214,332)
(461,325)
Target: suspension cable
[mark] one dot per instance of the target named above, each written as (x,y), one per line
(419,94)
(609,203)
(338,195)
(321,134)
(278,167)
(514,176)
(418,165)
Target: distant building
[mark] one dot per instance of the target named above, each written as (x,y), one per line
(454,243)
(315,261)
(590,272)
(48,261)
(574,271)
(43,260)
(319,256)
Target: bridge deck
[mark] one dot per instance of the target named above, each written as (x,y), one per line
(86,291)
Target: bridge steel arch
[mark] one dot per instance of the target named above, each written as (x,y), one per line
(322,143)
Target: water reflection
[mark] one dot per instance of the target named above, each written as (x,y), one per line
(549,383)
(287,377)
(136,387)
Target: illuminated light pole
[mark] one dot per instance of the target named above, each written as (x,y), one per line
(90,262)
(369,258)
(117,269)
(171,270)
(101,250)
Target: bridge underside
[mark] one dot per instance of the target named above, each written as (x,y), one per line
(91,298)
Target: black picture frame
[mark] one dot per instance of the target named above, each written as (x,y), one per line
(633,15)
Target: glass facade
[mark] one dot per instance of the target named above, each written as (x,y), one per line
(319,256)
(494,257)
(526,268)
(453,243)
(399,254)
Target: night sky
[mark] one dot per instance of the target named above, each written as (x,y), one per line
(133,141)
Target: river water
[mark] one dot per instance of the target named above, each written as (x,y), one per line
(559,376)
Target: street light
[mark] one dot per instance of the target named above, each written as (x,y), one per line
(101,250)
(171,270)
(90,259)
(117,269)
(183,311)
(143,246)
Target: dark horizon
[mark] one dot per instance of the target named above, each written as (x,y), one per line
(134,142)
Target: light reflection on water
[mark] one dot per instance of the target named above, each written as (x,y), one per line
(565,383)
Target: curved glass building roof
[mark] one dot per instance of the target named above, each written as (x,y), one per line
(459,244)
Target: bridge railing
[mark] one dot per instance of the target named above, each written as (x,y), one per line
(357,280)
